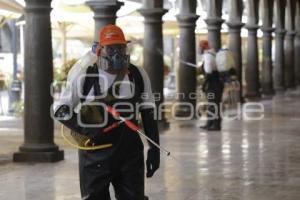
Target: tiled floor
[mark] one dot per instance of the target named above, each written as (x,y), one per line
(248,160)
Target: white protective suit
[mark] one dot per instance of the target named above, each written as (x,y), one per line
(76,76)
(209,61)
(224,60)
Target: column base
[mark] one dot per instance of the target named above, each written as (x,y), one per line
(214,23)
(38,156)
(279,93)
(290,91)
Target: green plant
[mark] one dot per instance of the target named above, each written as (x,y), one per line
(61,73)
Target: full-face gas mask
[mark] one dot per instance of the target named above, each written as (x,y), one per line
(114,57)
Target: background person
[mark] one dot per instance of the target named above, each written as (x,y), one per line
(212,87)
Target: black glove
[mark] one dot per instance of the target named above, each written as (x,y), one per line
(206,83)
(152,162)
(151,130)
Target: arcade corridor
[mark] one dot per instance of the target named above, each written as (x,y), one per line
(249,160)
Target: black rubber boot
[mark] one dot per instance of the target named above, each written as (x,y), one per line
(216,126)
(206,126)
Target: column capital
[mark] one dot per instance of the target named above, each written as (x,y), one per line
(94,4)
(104,9)
(187,20)
(267,30)
(252,27)
(214,23)
(280,32)
(153,15)
(235,25)
(291,33)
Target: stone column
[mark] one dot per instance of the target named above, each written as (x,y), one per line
(38,139)
(153,48)
(289,71)
(104,13)
(251,72)
(297,44)
(267,67)
(214,23)
(186,75)
(235,44)
(278,73)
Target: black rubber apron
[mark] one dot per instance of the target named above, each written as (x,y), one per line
(121,165)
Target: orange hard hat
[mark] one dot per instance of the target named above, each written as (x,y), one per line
(111,34)
(203,44)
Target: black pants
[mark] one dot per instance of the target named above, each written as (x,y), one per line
(215,98)
(122,168)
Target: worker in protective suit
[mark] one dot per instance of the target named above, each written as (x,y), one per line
(212,87)
(113,81)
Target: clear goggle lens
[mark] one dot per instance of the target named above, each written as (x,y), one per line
(111,50)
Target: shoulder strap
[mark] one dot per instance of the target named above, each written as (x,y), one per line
(90,81)
(135,73)
(120,77)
